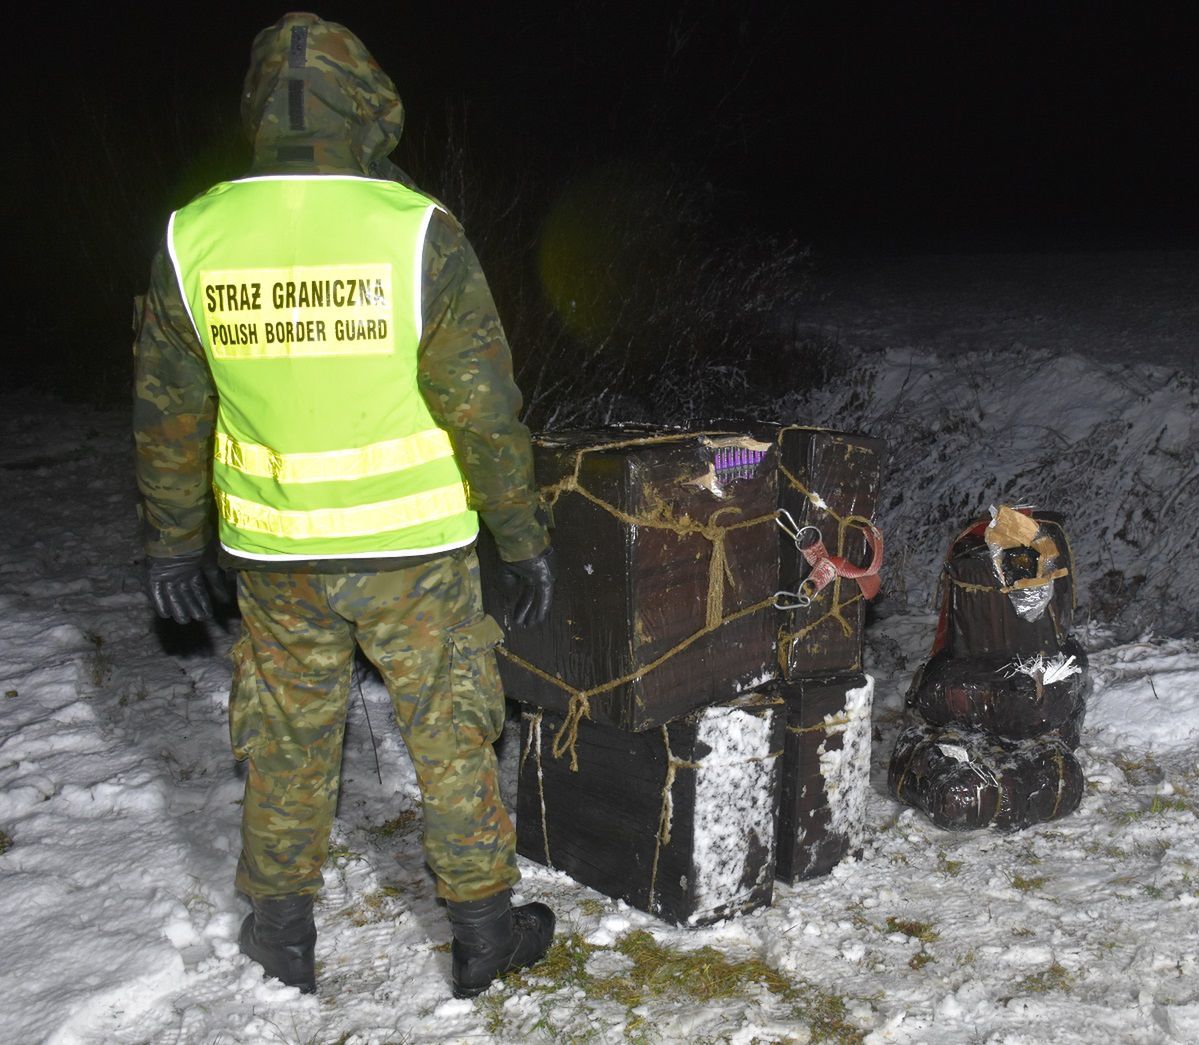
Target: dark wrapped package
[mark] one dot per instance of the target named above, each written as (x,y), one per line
(667,563)
(965,780)
(1009,597)
(676,821)
(826,773)
(1010,697)
(830,481)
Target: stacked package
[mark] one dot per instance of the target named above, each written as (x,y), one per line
(828,493)
(996,711)
(655,719)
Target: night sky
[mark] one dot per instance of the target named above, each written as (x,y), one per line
(856,127)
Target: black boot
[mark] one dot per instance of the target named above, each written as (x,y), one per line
(280,935)
(492,937)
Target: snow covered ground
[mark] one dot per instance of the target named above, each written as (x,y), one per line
(119,798)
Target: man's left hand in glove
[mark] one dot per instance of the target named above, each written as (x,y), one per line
(530,584)
(182,587)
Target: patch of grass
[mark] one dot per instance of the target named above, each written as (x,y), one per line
(1161,804)
(658,970)
(5,842)
(139,695)
(704,974)
(1027,885)
(1154,892)
(946,866)
(99,663)
(400,824)
(341,854)
(920,959)
(1131,766)
(1112,852)
(492,1004)
(374,906)
(591,907)
(10,693)
(921,931)
(564,963)
(1055,978)
(1157,807)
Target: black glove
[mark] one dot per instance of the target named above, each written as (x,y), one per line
(530,585)
(182,586)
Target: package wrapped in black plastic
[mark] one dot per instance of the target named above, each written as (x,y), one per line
(677,821)
(1010,697)
(1009,586)
(829,485)
(964,780)
(667,560)
(826,773)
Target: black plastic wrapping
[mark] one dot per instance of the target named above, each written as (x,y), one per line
(968,780)
(636,821)
(632,602)
(826,773)
(843,472)
(983,619)
(991,694)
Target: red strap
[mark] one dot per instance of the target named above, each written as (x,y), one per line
(825,567)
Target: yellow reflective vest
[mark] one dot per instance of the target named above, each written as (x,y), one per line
(305,292)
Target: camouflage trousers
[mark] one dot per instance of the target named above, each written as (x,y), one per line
(424,628)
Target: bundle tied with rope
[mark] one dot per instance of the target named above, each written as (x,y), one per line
(667,578)
(1007,586)
(677,821)
(994,714)
(832,550)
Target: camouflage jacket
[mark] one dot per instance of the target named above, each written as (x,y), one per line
(347,120)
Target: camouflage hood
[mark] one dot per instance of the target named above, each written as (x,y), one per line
(315,99)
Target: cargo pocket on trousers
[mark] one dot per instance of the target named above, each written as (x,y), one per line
(478,694)
(245,704)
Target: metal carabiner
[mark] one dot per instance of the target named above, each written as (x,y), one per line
(786,522)
(798,600)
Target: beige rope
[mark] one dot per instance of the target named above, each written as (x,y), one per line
(571,482)
(1008,588)
(665,816)
(579,706)
(660,518)
(719,572)
(545,829)
(832,723)
(534,742)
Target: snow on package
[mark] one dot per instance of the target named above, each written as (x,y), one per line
(826,773)
(667,564)
(966,780)
(677,821)
(828,486)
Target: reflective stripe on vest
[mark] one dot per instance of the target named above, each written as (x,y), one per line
(361,520)
(305,292)
(332,465)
